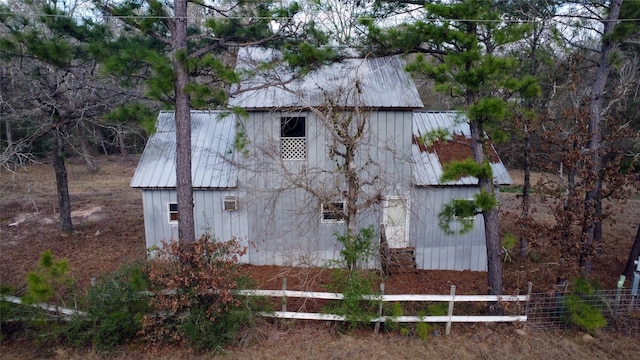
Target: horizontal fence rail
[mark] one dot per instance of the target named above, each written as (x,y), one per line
(384,298)
(66,312)
(620,307)
(451,299)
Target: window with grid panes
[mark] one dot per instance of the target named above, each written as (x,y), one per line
(173,212)
(293,142)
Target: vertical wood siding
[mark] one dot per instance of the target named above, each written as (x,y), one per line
(436,250)
(280,224)
(210,218)
(284,222)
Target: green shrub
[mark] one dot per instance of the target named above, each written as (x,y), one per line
(438,309)
(582,307)
(356,248)
(115,307)
(353,285)
(49,281)
(390,325)
(423,330)
(508,242)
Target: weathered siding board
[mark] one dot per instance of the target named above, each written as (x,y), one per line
(285,231)
(210,218)
(156,217)
(222,225)
(437,250)
(284,222)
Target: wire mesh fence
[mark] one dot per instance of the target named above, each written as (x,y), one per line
(620,309)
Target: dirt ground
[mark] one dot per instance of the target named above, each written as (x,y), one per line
(110,232)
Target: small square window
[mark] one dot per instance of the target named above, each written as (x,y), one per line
(292,127)
(230,203)
(333,212)
(173,212)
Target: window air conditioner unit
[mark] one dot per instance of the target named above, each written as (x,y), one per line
(230,203)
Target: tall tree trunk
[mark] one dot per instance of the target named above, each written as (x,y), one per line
(9,136)
(184,184)
(491,222)
(494,261)
(633,256)
(64,201)
(526,189)
(353,189)
(567,218)
(595,137)
(597,226)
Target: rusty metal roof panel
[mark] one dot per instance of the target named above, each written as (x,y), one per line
(429,158)
(382,83)
(213,133)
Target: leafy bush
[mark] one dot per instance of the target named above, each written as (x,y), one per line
(356,248)
(116,305)
(438,309)
(390,325)
(194,299)
(353,282)
(508,242)
(12,316)
(581,307)
(49,280)
(423,329)
(353,285)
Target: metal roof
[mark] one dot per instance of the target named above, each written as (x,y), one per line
(383,83)
(427,164)
(213,134)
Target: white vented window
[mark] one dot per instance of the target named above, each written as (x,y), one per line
(230,203)
(293,142)
(333,212)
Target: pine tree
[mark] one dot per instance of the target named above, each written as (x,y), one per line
(465,42)
(186,56)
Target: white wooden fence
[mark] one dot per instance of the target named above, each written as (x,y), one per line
(65,312)
(450,318)
(451,299)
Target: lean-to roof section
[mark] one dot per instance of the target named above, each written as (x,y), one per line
(428,158)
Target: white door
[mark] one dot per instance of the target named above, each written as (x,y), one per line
(396,221)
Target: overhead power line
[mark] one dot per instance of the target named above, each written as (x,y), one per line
(244,17)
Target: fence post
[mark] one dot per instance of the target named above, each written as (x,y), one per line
(377,327)
(284,295)
(620,285)
(526,306)
(450,311)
